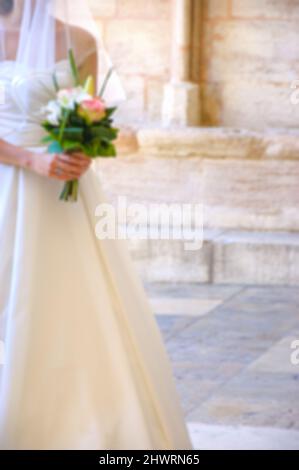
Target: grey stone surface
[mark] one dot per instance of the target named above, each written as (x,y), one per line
(232,366)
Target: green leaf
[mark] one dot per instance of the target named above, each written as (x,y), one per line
(107,150)
(55,82)
(110,111)
(69,145)
(47,139)
(55,147)
(77,121)
(103,132)
(74,130)
(68,133)
(105,82)
(66,114)
(73,133)
(49,127)
(54,132)
(74,67)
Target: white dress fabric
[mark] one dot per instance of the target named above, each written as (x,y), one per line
(85,366)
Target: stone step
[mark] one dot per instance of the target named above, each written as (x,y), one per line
(216,437)
(210,142)
(245,180)
(226,257)
(220,142)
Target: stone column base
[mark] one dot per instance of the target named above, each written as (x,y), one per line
(181,105)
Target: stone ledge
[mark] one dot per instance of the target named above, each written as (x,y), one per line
(227,257)
(212,142)
(220,143)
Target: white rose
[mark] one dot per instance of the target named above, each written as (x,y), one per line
(53,112)
(68,98)
(65,99)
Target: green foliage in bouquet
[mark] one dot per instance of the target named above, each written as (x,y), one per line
(74,133)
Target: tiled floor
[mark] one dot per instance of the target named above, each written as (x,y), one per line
(230,347)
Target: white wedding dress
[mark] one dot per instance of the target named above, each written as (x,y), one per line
(85,366)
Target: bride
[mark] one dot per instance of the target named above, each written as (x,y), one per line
(84,364)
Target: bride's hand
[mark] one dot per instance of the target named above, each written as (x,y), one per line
(63,167)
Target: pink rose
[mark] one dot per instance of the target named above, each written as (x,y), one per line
(92,110)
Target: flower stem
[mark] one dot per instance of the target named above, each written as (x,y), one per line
(75,188)
(70,191)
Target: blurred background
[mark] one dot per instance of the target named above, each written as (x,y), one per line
(211,117)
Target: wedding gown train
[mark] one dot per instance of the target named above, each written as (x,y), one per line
(85,366)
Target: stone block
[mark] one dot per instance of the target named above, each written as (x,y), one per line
(248,71)
(232,257)
(152,180)
(154,99)
(254,51)
(103,8)
(181,104)
(267,9)
(168,261)
(256,258)
(158,9)
(138,47)
(253,195)
(254,105)
(215,9)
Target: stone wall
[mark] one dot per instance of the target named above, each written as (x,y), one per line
(250,58)
(247,59)
(137,34)
(247,184)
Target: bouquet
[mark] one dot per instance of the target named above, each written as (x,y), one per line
(78,120)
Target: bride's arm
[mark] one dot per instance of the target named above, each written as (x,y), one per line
(58,166)
(13,155)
